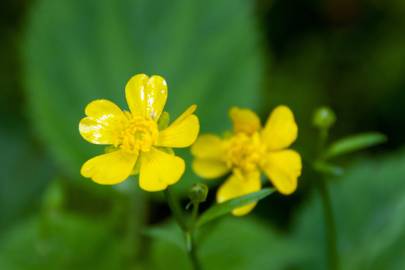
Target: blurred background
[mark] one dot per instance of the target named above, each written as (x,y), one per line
(58,55)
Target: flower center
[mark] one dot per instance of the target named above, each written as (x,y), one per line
(244,151)
(138,134)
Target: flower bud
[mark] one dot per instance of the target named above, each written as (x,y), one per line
(198,193)
(324,117)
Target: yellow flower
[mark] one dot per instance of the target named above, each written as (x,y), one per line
(135,137)
(247,151)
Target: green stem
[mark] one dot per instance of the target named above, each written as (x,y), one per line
(137,216)
(194,215)
(176,209)
(330,227)
(192,251)
(323,138)
(191,247)
(187,230)
(329,220)
(132,227)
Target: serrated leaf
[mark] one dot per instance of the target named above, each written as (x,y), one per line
(354,143)
(77,51)
(224,208)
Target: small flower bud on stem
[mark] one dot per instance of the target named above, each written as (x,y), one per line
(324,118)
(198,193)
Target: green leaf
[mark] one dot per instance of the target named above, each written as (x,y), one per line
(25,172)
(368,204)
(237,244)
(354,143)
(169,233)
(226,207)
(328,168)
(63,242)
(208,51)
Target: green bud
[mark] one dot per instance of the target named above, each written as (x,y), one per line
(198,193)
(324,117)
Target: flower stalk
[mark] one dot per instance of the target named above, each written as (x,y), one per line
(188,229)
(191,245)
(330,227)
(323,119)
(329,221)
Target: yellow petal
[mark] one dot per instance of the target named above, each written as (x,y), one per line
(146,96)
(109,169)
(159,169)
(208,146)
(283,168)
(103,122)
(182,132)
(238,185)
(244,120)
(280,130)
(189,111)
(209,169)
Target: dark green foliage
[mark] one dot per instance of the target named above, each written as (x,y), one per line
(77,51)
(348,55)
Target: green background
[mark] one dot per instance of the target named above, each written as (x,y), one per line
(58,55)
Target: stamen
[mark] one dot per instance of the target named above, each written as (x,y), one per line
(244,151)
(138,134)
